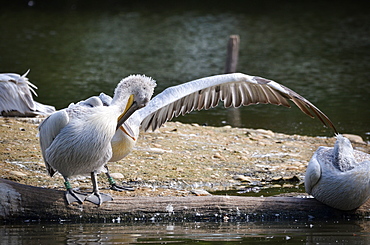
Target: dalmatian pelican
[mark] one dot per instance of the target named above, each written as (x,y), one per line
(339,176)
(235,90)
(76,140)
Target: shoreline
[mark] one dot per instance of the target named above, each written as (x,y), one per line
(176,159)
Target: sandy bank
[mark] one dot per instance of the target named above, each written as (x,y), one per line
(175,159)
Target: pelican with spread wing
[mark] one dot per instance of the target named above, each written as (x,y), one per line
(16,97)
(235,90)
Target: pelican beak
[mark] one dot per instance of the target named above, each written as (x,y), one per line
(131,107)
(127,130)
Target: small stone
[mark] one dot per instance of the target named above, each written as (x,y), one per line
(201,192)
(117,175)
(17,173)
(277,178)
(218,156)
(267,133)
(243,178)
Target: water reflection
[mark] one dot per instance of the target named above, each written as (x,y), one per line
(293,232)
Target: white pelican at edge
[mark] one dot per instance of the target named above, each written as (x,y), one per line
(16,97)
(339,176)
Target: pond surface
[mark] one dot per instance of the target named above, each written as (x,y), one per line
(320,49)
(279,232)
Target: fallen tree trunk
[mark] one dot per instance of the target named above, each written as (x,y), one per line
(26,203)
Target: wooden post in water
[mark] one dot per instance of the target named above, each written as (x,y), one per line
(230,67)
(232,54)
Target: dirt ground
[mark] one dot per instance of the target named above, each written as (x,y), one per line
(176,160)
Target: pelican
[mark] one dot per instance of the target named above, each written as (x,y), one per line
(16,97)
(233,89)
(339,176)
(76,140)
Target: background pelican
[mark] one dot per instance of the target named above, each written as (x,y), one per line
(16,97)
(339,176)
(76,140)
(234,90)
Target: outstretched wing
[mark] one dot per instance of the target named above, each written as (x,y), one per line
(48,130)
(234,90)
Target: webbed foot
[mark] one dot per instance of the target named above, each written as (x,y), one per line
(98,198)
(116,187)
(74,196)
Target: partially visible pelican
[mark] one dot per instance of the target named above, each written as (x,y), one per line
(76,140)
(233,89)
(16,97)
(339,176)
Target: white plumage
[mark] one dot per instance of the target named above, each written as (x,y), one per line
(339,176)
(16,97)
(76,140)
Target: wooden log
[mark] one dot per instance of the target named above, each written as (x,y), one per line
(22,202)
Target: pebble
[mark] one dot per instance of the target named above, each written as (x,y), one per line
(200,192)
(17,173)
(117,175)
(266,133)
(243,178)
(218,156)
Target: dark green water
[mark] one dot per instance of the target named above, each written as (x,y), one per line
(278,232)
(320,49)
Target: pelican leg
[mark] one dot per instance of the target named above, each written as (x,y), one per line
(114,185)
(96,197)
(72,195)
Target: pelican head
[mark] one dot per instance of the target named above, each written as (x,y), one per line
(344,159)
(139,89)
(339,176)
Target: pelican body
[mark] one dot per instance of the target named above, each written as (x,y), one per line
(16,97)
(76,140)
(339,176)
(235,90)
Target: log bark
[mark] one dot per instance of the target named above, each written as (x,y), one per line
(28,203)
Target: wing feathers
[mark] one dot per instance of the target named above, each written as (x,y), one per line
(234,90)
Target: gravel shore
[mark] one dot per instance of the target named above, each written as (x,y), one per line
(176,160)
